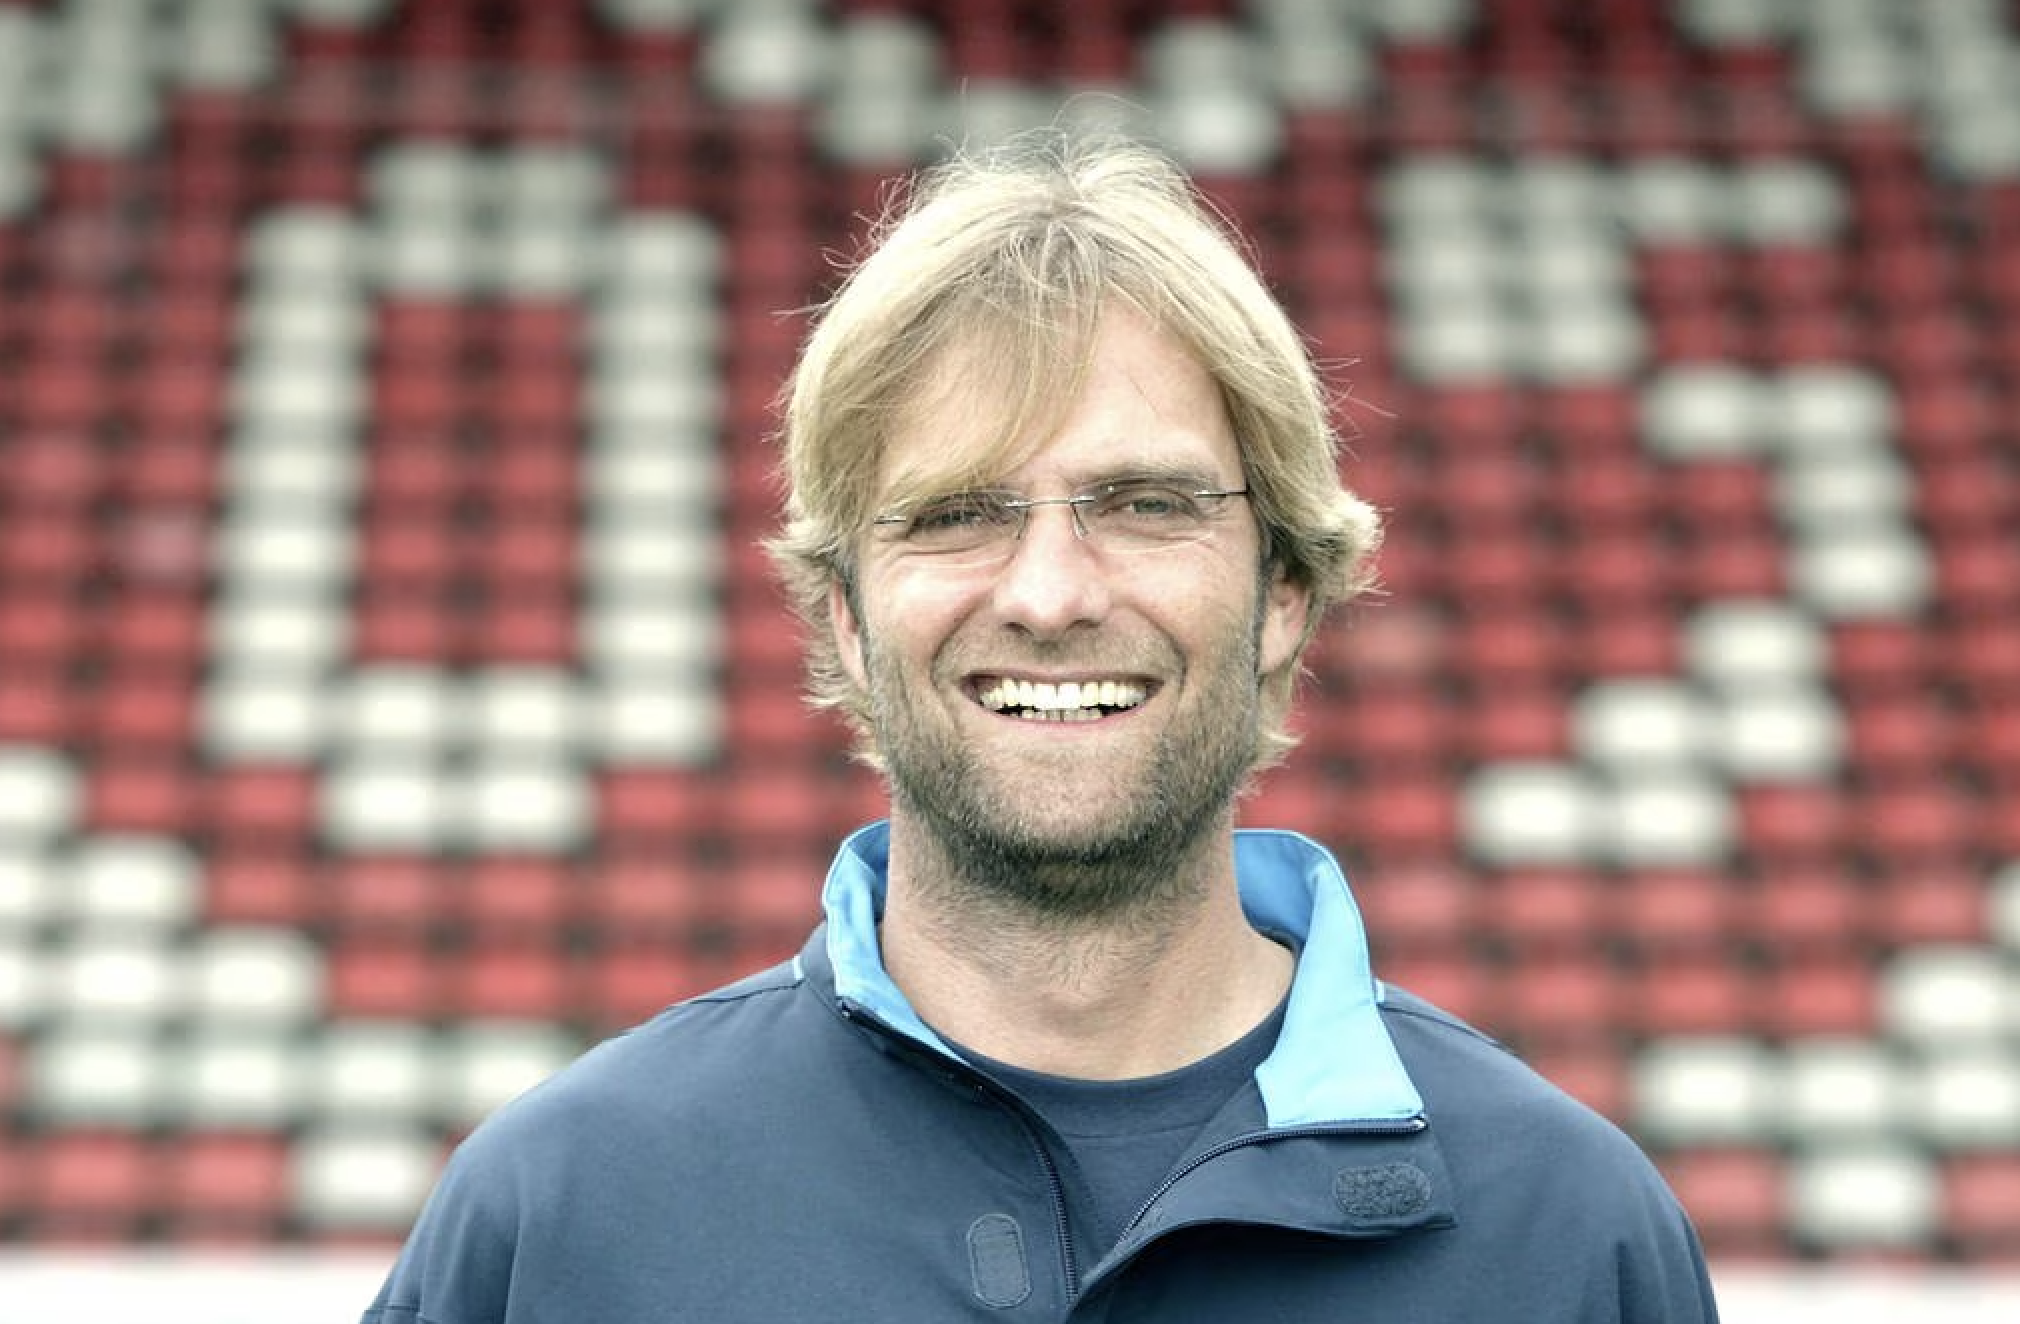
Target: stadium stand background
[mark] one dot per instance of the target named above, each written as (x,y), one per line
(393,700)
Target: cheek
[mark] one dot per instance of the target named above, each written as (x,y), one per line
(1224,596)
(906,617)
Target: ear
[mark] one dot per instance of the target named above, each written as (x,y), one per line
(1287,606)
(848,634)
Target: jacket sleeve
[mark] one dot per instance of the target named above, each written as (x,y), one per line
(456,1266)
(1663,1277)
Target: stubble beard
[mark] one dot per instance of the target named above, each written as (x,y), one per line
(998,845)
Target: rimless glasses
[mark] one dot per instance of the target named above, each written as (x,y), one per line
(1130,515)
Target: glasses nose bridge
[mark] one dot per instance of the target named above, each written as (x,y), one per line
(1075,504)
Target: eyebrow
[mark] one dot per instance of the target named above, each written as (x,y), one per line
(1181,476)
(1173,475)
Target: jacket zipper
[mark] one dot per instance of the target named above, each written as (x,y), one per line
(1055,1185)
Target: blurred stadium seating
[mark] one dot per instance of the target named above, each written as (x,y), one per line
(393,700)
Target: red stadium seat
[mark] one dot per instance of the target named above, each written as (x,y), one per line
(1981,1197)
(1991,744)
(633,982)
(1549,911)
(1678,910)
(1619,641)
(1879,656)
(1563,997)
(1911,824)
(1511,723)
(636,894)
(774,899)
(409,627)
(1902,734)
(530,628)
(1735,1197)
(154,632)
(1499,571)
(145,712)
(1981,658)
(1799,909)
(1590,1071)
(48,547)
(1962,498)
(92,1186)
(1820,995)
(647,805)
(42,627)
(1694,994)
(1427,909)
(227,1187)
(1941,900)
(1400,817)
(1511,644)
(257,882)
(389,977)
(416,554)
(534,482)
(1979,572)
(515,897)
(251,805)
(516,980)
(397,898)
(145,792)
(1397,727)
(530,547)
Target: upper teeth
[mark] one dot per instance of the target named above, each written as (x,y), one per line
(1044,696)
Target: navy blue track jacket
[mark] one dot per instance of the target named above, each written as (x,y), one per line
(800,1147)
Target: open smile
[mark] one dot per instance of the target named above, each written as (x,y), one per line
(1059,701)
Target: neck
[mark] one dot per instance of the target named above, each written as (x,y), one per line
(1134,991)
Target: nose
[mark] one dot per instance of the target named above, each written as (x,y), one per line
(1053,579)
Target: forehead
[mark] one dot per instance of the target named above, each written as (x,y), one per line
(1134,399)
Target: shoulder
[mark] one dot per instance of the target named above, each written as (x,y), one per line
(646,1082)
(1497,1112)
(1463,1068)
(1536,1168)
(686,1045)
(570,1172)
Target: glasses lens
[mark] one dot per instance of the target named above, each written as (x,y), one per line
(973,528)
(961,523)
(1144,516)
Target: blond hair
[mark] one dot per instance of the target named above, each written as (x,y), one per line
(1007,259)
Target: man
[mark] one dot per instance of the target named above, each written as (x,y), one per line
(1064,512)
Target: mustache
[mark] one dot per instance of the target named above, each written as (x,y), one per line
(1107,656)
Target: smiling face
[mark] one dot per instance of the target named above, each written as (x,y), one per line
(1069,720)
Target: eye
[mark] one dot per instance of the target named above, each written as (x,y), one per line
(958,515)
(1148,503)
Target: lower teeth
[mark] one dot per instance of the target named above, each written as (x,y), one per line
(1062,714)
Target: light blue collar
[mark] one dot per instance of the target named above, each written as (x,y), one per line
(1334,1061)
